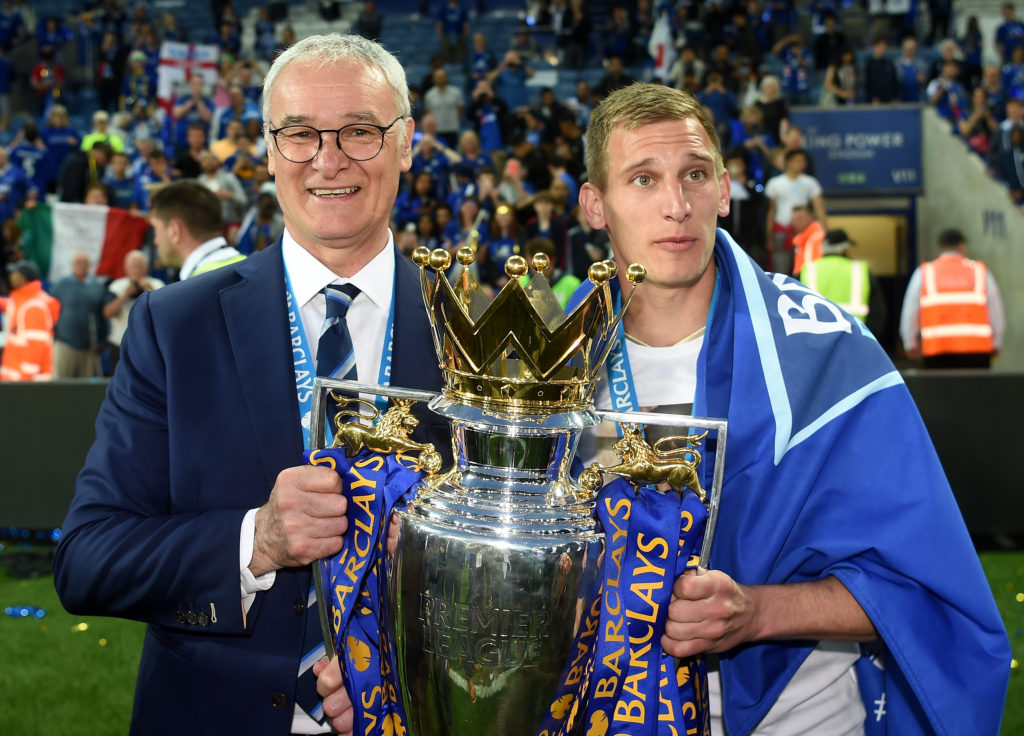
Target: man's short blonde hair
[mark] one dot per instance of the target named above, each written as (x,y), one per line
(637,105)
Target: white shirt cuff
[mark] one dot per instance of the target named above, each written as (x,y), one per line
(250,584)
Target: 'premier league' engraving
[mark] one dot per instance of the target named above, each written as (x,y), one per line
(489,637)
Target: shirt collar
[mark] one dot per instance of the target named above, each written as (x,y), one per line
(196,257)
(309,276)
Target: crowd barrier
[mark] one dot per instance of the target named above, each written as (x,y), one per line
(46,430)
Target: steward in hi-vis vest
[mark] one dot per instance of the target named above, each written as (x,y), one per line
(845,281)
(952,312)
(29,315)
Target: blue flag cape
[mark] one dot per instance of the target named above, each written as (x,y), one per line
(830,471)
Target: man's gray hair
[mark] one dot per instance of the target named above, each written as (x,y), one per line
(330,49)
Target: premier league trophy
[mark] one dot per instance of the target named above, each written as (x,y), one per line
(499,594)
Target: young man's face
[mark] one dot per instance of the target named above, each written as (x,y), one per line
(661,201)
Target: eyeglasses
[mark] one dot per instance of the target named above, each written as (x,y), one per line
(358,141)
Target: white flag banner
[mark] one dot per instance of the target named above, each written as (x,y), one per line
(661,47)
(178,62)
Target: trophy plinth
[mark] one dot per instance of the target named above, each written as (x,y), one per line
(487,583)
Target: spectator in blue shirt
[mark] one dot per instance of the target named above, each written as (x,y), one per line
(239,108)
(995,94)
(14,187)
(911,72)
(452,30)
(797,71)
(136,85)
(1013,74)
(61,140)
(246,79)
(12,26)
(52,35)
(28,153)
(472,154)
(1009,33)
(266,35)
(190,107)
(415,201)
(947,95)
(720,101)
(972,43)
(159,174)
(490,117)
(119,180)
(509,82)
(481,62)
(430,154)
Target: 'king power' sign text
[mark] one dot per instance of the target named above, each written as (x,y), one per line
(864,149)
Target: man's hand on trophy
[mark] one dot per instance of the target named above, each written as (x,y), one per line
(337,704)
(392,540)
(303,520)
(709,612)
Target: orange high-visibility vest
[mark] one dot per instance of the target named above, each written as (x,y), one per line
(807,245)
(29,317)
(954,307)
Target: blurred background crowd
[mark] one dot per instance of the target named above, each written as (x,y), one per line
(95,109)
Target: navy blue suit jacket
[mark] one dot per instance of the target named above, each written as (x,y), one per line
(198,420)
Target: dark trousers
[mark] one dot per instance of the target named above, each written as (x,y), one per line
(958,360)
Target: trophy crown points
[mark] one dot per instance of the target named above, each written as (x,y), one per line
(636,273)
(515,267)
(440,259)
(599,272)
(466,254)
(421,255)
(520,353)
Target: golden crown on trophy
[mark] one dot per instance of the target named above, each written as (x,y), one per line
(520,353)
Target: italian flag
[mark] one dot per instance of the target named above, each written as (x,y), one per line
(53,233)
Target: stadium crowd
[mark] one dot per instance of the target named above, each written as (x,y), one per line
(496,159)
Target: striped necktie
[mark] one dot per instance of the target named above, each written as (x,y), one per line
(335,358)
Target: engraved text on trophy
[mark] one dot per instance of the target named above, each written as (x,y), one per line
(489,637)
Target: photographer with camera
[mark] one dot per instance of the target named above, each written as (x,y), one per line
(121,296)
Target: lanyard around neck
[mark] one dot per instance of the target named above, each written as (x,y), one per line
(305,367)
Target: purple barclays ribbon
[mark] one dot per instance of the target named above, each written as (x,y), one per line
(354,580)
(633,686)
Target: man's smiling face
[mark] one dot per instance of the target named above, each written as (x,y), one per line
(334,207)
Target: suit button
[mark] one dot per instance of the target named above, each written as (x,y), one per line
(203,619)
(192,618)
(299,606)
(279,700)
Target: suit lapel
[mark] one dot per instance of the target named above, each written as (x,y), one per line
(255,312)
(415,360)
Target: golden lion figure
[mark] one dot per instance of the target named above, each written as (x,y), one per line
(643,464)
(389,436)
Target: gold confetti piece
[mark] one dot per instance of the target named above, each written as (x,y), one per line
(80,627)
(1020,597)
(1014,664)
(103,642)
(1009,586)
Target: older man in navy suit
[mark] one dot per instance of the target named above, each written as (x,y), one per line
(193,512)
